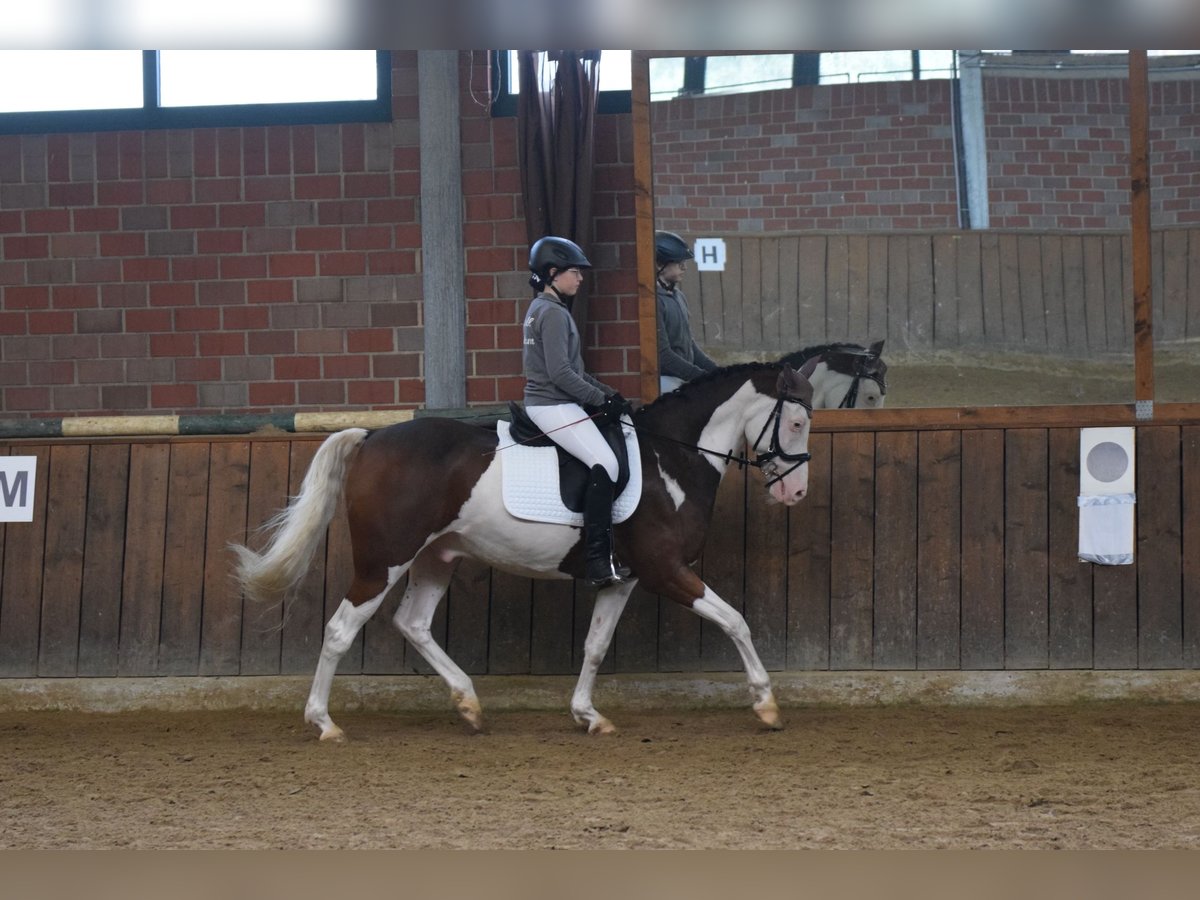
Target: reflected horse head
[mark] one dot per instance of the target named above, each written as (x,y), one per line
(843,375)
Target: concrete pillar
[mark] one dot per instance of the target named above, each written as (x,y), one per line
(443,269)
(974,148)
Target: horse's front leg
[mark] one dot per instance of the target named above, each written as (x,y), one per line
(610,603)
(712,607)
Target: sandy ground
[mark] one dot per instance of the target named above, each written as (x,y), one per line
(1094,775)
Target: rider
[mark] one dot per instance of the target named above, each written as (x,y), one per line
(680,359)
(557,388)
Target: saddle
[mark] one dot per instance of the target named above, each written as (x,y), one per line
(528,472)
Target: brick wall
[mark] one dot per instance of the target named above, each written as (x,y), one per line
(273,269)
(879,157)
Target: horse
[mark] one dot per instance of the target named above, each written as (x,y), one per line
(422,494)
(843,375)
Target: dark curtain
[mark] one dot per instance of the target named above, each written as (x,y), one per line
(556,117)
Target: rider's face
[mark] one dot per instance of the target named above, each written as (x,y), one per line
(567,281)
(672,273)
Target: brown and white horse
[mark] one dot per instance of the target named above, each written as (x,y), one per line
(422,494)
(843,375)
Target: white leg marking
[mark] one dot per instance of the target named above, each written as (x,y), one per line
(339,635)
(610,603)
(427,583)
(713,608)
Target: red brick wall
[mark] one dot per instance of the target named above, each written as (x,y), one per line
(879,157)
(273,269)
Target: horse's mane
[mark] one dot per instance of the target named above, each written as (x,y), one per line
(682,392)
(800,357)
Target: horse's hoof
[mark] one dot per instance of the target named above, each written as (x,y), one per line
(335,734)
(472,713)
(769,716)
(602,726)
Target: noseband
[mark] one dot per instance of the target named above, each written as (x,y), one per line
(851,398)
(766,461)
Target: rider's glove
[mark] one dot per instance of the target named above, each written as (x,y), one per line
(614,405)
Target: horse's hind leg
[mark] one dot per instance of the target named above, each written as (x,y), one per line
(610,603)
(427,582)
(339,635)
(712,607)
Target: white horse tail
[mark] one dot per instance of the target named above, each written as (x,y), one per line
(299,527)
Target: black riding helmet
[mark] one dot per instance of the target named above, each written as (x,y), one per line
(554,253)
(670,247)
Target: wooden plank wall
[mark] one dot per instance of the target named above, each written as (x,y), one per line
(1057,293)
(916,549)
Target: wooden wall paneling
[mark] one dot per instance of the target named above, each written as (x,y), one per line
(1174,260)
(339,574)
(183,565)
(945,292)
(467,616)
(141,594)
(896,527)
(228,493)
(789,295)
(1033,305)
(636,639)
(969,288)
(304,610)
(878,246)
(1052,292)
(808,564)
(1074,302)
(920,292)
(852,551)
(553,628)
(66,515)
(1118,289)
(1094,288)
(267,492)
(837,288)
(723,568)
(24,551)
(750,309)
(898,335)
(509,624)
(1114,622)
(1190,542)
(983,569)
(731,294)
(1025,558)
(103,560)
(858,288)
(769,321)
(1158,556)
(765,573)
(939,553)
(706,306)
(385,652)
(1070,599)
(1157,294)
(812,302)
(1193,284)
(991,300)
(1010,291)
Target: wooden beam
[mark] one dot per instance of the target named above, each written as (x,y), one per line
(643,207)
(1139,165)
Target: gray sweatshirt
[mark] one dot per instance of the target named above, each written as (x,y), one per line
(552,357)
(678,354)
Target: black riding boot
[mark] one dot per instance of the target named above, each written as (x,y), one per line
(600,569)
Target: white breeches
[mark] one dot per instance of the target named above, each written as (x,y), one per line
(582,440)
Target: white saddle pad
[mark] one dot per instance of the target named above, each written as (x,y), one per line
(530,481)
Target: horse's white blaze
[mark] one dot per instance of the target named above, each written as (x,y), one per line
(487,532)
(673,489)
(729,423)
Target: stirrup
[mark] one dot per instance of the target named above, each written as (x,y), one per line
(615,574)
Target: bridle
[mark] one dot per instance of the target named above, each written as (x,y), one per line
(860,372)
(766,462)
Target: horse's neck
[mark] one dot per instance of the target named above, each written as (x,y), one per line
(829,387)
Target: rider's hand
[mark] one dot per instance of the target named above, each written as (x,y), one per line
(614,406)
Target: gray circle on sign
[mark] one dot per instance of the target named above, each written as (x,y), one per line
(1107,461)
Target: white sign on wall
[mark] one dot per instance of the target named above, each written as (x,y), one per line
(16,488)
(710,254)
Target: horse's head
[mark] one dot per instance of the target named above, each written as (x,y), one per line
(780,439)
(844,376)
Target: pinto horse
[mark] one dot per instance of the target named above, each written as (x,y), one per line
(422,494)
(843,375)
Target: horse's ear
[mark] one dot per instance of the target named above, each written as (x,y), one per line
(809,367)
(876,349)
(794,385)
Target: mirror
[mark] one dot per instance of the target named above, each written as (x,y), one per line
(831,194)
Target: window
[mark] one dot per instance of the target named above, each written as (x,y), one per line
(106,90)
(614,81)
